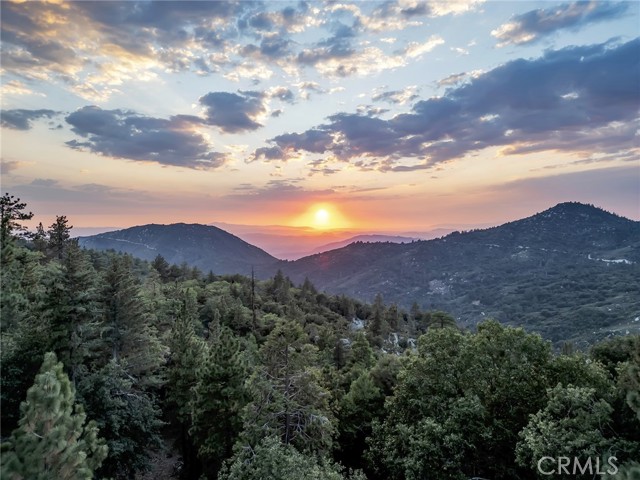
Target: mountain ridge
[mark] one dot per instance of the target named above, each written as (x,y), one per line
(570,272)
(559,272)
(203,246)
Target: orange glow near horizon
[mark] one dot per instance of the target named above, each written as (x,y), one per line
(322,216)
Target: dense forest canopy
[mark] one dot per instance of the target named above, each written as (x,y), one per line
(107,359)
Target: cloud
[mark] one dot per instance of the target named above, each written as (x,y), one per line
(20,119)
(398,15)
(16,87)
(49,196)
(45,182)
(121,41)
(399,97)
(8,166)
(137,41)
(307,88)
(452,79)
(574,100)
(126,134)
(281,93)
(234,112)
(337,56)
(277,191)
(536,24)
(416,49)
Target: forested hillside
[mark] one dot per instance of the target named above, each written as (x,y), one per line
(203,246)
(571,272)
(110,364)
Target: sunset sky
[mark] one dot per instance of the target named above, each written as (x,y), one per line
(387,116)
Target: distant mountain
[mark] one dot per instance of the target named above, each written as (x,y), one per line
(363,238)
(293,243)
(570,272)
(203,246)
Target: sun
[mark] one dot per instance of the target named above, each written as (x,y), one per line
(322,218)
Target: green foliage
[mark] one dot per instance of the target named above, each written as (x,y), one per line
(128,418)
(72,309)
(11,215)
(130,332)
(356,411)
(187,355)
(572,424)
(266,379)
(473,391)
(287,395)
(277,461)
(52,440)
(59,234)
(439,320)
(218,399)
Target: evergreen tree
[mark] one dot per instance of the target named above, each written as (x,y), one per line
(52,440)
(377,326)
(440,320)
(288,398)
(280,288)
(162,266)
(25,336)
(59,234)
(357,409)
(339,355)
(128,418)
(130,332)
(187,353)
(72,309)
(40,239)
(308,290)
(11,215)
(218,399)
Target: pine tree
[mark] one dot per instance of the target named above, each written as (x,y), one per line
(288,398)
(59,234)
(218,400)
(187,353)
(441,320)
(363,403)
(11,214)
(72,309)
(128,417)
(377,326)
(130,333)
(40,239)
(162,266)
(52,440)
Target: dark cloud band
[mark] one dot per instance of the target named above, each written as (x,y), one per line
(21,119)
(126,134)
(553,102)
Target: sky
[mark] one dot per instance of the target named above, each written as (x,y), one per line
(369,116)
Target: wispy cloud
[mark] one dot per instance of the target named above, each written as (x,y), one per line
(140,41)
(537,24)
